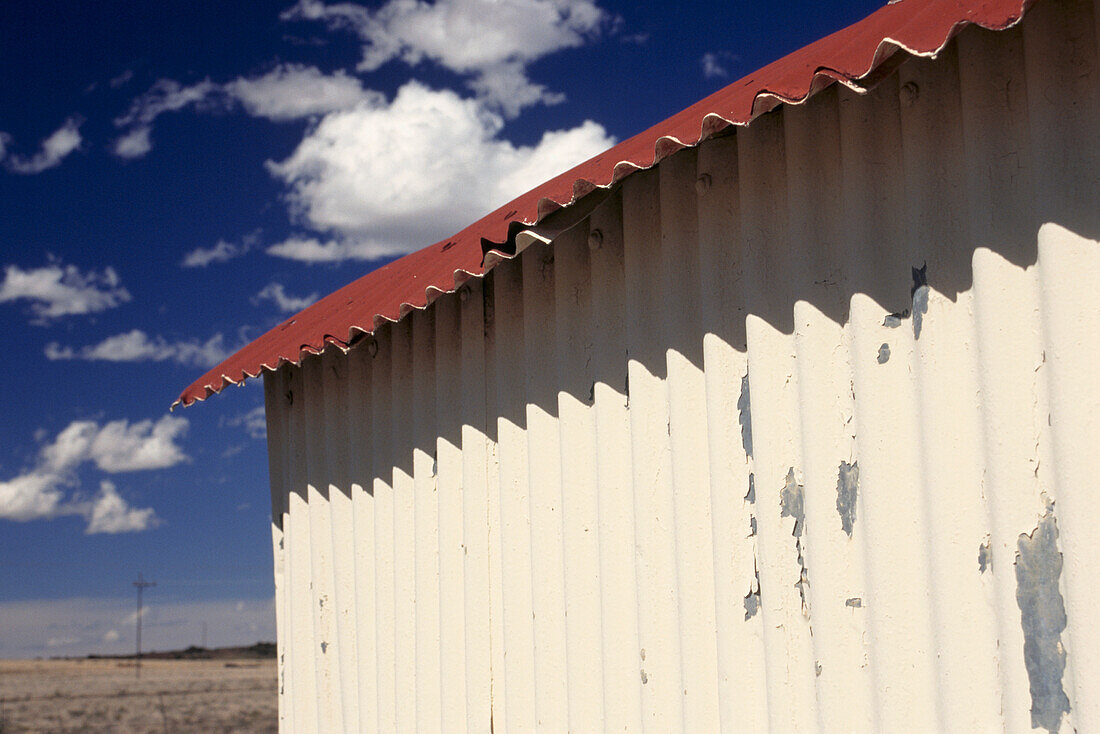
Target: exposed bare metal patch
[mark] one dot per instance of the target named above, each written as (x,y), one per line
(1043,617)
(744,416)
(792,504)
(847,489)
(985,556)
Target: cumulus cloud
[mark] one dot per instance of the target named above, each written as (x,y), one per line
(137,346)
(390,179)
(54,149)
(286,92)
(491,42)
(51,487)
(62,290)
(293,91)
(221,252)
(111,514)
(276,293)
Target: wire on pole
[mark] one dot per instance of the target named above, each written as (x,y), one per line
(141,585)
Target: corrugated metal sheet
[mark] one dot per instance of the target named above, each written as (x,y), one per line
(855,56)
(795,432)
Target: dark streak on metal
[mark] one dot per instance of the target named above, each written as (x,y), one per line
(920,307)
(893,321)
(847,490)
(1043,617)
(792,504)
(744,416)
(985,556)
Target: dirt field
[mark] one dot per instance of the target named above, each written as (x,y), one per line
(171,696)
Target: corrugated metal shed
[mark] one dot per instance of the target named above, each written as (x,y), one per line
(856,57)
(794,431)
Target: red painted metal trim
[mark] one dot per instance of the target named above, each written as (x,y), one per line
(919,27)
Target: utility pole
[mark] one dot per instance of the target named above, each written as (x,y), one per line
(141,585)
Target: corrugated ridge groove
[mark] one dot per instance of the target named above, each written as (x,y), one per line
(654,503)
(406,689)
(545,487)
(360,411)
(335,432)
(425,541)
(573,351)
(610,393)
(322,560)
(382,459)
(450,512)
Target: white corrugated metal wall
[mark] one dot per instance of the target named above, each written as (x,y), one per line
(682,470)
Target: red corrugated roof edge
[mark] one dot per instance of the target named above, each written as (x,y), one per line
(919,27)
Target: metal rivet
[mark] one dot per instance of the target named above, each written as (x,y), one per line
(702,184)
(464,293)
(372,347)
(909,93)
(595,239)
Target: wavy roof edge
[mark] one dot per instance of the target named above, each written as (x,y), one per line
(851,56)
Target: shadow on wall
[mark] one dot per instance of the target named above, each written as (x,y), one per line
(875,250)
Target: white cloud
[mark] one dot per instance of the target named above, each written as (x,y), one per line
(105,626)
(55,148)
(115,447)
(137,346)
(293,91)
(714,64)
(392,179)
(135,143)
(121,79)
(166,95)
(276,293)
(481,39)
(47,491)
(287,92)
(111,514)
(221,252)
(313,250)
(254,421)
(57,290)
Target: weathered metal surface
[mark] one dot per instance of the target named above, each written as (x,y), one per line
(808,447)
(856,56)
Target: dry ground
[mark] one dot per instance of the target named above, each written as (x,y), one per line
(105,696)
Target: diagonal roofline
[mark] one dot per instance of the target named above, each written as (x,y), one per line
(857,56)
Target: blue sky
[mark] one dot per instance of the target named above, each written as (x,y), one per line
(178,177)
